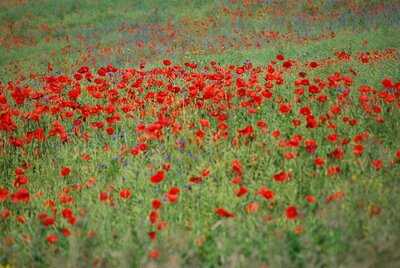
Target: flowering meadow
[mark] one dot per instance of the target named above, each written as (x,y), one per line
(252,133)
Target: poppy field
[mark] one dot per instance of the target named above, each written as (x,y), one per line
(251,133)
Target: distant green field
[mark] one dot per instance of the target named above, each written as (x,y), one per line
(254,133)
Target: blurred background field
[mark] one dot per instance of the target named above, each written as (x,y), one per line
(72,33)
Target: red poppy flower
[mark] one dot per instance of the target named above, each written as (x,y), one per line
(47,220)
(71,220)
(333,170)
(282,176)
(276,133)
(86,157)
(224,213)
(152,235)
(3,194)
(266,193)
(20,180)
(246,131)
(377,164)
(196,180)
(319,161)
(332,137)
(173,194)
(67,213)
(335,196)
(252,207)
(287,64)
(167,62)
(240,70)
(358,149)
(22,195)
(102,71)
(236,180)
(290,155)
(66,198)
(154,254)
(125,193)
(242,191)
(291,213)
(285,108)
(237,167)
(110,130)
(135,151)
(103,196)
(21,219)
(83,69)
(311,146)
(65,171)
(387,83)
(205,172)
(158,177)
(19,171)
(52,238)
(310,199)
(156,204)
(296,122)
(200,134)
(166,166)
(5,213)
(262,124)
(161,225)
(66,232)
(142,147)
(314,89)
(280,57)
(153,217)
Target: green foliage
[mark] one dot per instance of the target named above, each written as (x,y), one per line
(69,34)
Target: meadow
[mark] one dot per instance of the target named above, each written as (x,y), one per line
(253,133)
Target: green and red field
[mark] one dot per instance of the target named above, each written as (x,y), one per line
(229,133)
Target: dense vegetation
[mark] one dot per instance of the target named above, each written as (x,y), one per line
(199,133)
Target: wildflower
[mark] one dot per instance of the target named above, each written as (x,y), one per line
(22,195)
(266,193)
(335,196)
(377,164)
(252,207)
(173,194)
(3,194)
(103,196)
(224,213)
(152,235)
(65,171)
(242,191)
(237,167)
(52,238)
(291,213)
(154,254)
(125,193)
(158,177)
(285,108)
(310,199)
(153,217)
(5,213)
(282,176)
(280,57)
(156,204)
(66,232)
